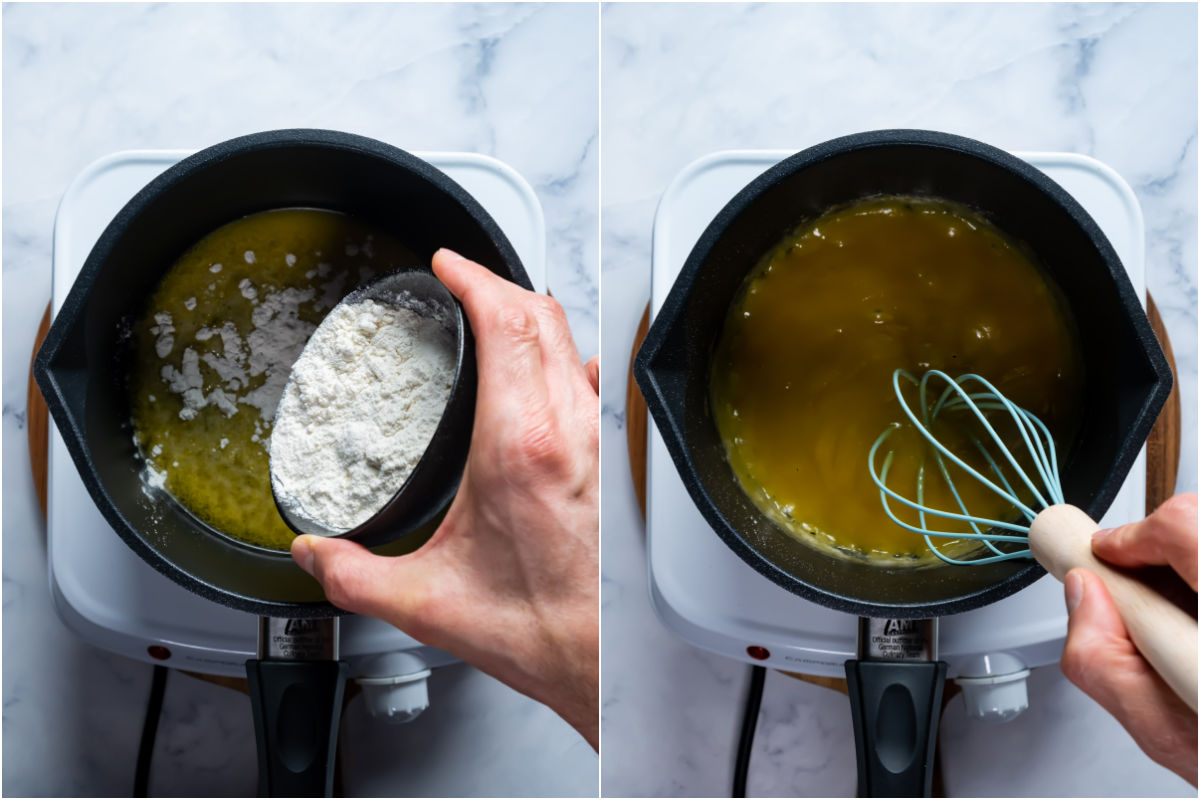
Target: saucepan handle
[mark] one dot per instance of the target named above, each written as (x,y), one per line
(895,706)
(297,708)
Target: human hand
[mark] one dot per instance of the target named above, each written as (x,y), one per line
(509,582)
(1099,657)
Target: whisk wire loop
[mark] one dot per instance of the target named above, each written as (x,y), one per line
(1026,423)
(1046,461)
(927,417)
(886,491)
(958,499)
(956,398)
(926,533)
(964,400)
(924,428)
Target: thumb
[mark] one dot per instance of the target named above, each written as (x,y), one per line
(1097,651)
(354,578)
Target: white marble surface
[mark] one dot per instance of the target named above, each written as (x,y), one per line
(518,82)
(1112,81)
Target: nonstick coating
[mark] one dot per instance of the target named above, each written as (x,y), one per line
(1127,378)
(79,367)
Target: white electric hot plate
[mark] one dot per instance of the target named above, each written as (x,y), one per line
(101,589)
(712,599)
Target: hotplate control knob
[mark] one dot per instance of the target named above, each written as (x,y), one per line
(395,689)
(993,687)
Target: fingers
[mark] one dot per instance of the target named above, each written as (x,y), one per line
(1167,537)
(592,367)
(536,409)
(507,348)
(560,356)
(476,286)
(354,579)
(1100,659)
(513,327)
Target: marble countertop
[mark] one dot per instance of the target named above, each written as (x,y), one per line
(517,82)
(1116,82)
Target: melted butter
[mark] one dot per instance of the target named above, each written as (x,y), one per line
(216,465)
(801,378)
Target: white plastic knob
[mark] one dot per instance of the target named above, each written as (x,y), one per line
(396,698)
(998,698)
(993,687)
(394,687)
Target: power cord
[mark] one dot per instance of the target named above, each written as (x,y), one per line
(141,773)
(741,766)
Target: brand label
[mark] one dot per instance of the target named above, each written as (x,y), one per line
(299,639)
(896,639)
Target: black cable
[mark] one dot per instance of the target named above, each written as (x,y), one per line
(741,767)
(141,773)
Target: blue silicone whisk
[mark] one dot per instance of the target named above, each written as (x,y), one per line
(1050,530)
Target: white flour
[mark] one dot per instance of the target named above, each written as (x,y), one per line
(275,340)
(362,405)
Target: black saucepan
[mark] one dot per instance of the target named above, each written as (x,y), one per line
(80,371)
(1127,377)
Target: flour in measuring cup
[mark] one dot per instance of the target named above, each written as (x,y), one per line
(359,410)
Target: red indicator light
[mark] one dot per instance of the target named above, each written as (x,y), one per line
(758,653)
(157,651)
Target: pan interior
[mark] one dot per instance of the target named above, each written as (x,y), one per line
(802,374)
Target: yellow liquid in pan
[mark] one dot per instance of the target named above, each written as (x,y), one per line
(216,464)
(801,382)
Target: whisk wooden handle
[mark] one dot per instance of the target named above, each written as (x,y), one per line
(1061,539)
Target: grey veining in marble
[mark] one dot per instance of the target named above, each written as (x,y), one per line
(1116,82)
(513,81)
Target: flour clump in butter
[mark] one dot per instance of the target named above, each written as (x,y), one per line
(275,339)
(360,408)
